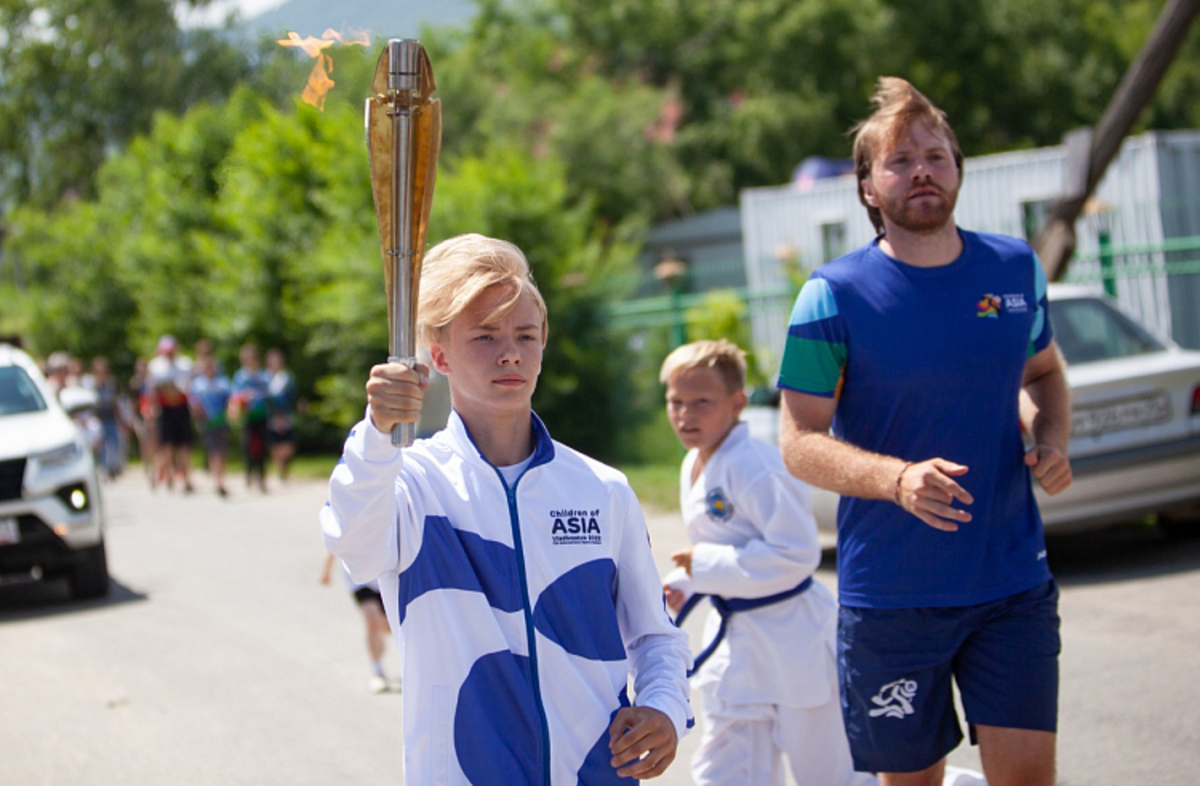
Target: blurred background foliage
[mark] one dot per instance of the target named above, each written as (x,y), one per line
(157,180)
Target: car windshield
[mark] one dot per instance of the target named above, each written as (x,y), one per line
(1089,329)
(18,393)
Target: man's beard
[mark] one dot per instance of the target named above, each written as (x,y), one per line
(921,217)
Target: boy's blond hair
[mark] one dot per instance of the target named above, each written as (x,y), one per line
(723,357)
(898,105)
(458,270)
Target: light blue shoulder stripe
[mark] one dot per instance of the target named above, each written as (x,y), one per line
(1039,278)
(814,303)
(1039,299)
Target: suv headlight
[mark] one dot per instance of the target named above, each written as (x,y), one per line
(74,497)
(58,456)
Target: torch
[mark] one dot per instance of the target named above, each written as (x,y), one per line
(404,133)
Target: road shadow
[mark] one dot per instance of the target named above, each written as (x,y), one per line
(1129,551)
(53,598)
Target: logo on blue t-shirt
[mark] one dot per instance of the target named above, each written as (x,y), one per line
(992,306)
(988,306)
(719,508)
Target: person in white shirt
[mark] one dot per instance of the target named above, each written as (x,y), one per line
(515,571)
(168,376)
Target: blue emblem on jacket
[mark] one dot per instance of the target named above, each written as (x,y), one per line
(719,508)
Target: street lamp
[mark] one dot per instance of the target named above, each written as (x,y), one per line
(672,271)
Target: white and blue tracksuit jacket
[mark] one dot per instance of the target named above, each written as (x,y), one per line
(520,612)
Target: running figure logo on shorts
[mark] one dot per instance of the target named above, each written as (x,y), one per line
(988,306)
(719,508)
(894,699)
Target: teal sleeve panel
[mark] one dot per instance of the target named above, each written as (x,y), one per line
(814,355)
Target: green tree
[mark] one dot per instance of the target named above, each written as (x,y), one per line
(1175,104)
(514,77)
(299,265)
(80,78)
(164,192)
(108,276)
(722,314)
(762,83)
(1010,74)
(72,297)
(766,83)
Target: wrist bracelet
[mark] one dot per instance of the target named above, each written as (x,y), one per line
(899,477)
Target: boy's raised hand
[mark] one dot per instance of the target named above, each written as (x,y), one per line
(396,394)
(644,739)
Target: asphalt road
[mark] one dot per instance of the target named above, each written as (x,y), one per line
(219,659)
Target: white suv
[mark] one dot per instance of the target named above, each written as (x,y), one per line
(51,517)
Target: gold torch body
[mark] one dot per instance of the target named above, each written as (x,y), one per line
(404,129)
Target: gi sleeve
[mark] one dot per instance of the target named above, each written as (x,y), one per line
(658,652)
(786,552)
(360,521)
(678,579)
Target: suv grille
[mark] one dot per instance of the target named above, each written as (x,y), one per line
(12,473)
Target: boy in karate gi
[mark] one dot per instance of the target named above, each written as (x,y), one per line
(768,676)
(516,572)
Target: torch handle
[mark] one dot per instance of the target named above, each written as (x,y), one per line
(403,434)
(402,81)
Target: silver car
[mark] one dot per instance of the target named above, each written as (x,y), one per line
(1135,447)
(1135,442)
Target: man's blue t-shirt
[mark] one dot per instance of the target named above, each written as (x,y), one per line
(925,363)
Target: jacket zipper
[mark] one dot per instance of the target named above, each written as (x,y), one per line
(530,632)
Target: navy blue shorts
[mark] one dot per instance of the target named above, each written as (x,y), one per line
(895,668)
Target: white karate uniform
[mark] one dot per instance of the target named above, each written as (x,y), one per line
(522,609)
(770,688)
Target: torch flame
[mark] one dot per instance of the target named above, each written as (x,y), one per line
(319,82)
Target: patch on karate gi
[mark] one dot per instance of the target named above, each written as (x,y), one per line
(718,507)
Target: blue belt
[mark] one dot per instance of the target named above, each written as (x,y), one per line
(727,606)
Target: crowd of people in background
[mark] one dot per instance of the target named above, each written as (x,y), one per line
(173,401)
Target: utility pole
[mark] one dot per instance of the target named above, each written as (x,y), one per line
(1089,153)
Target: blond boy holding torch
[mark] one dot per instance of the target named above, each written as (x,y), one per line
(515,571)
